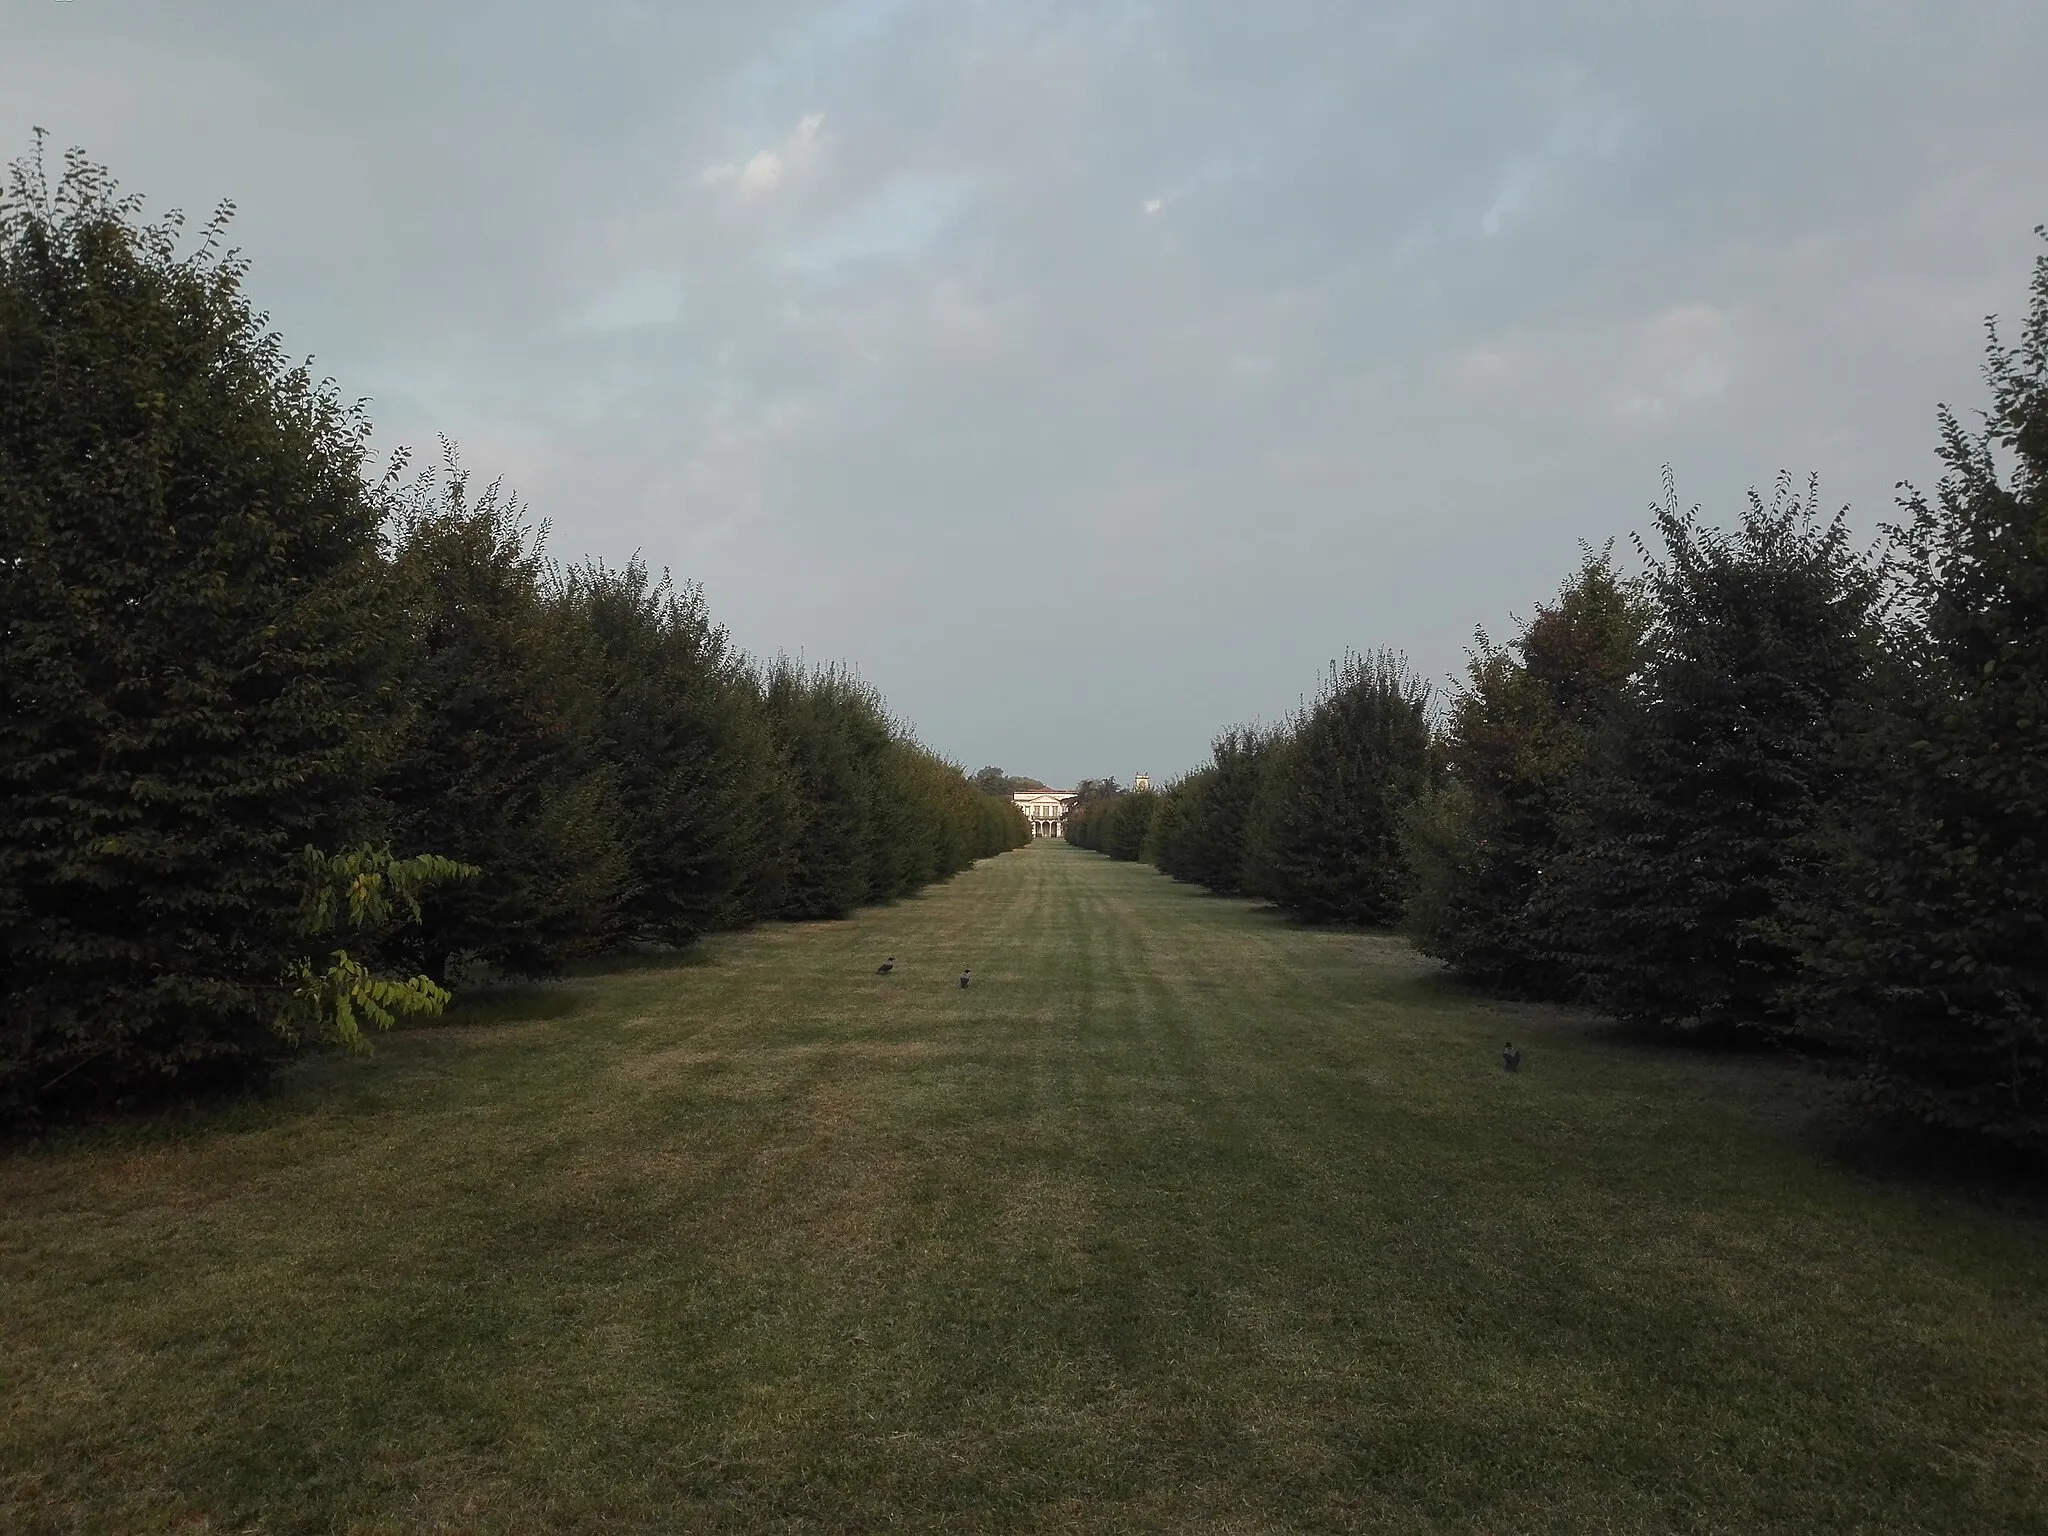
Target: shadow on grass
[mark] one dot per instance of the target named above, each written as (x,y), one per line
(483,998)
(322,1078)
(504,1003)
(650,957)
(1808,1089)
(236,1111)
(1889,1150)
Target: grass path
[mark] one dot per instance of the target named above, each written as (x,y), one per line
(1180,1219)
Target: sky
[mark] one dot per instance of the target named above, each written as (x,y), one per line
(1088,376)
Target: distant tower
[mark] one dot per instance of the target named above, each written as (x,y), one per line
(1142,782)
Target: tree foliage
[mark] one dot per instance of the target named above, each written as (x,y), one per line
(1168,834)
(1518,742)
(1110,820)
(993,781)
(1778,791)
(1930,947)
(1088,791)
(503,763)
(1129,824)
(197,651)
(1324,841)
(365,894)
(702,791)
(877,814)
(1693,830)
(1205,840)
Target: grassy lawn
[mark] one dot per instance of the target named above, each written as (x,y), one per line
(1180,1219)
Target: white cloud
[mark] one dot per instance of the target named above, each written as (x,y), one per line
(762,172)
(766,169)
(1153,205)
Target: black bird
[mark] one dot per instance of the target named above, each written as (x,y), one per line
(886,966)
(966,976)
(1510,1058)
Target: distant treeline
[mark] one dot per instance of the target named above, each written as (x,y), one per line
(282,749)
(1776,789)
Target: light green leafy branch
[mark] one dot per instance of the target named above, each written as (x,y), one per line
(361,891)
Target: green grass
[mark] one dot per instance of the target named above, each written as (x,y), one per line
(1181,1219)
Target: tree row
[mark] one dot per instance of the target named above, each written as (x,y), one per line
(1774,788)
(285,749)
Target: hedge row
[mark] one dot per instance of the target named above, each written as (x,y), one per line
(1777,789)
(245,693)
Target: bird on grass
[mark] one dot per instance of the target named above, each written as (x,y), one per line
(886,966)
(966,976)
(1510,1058)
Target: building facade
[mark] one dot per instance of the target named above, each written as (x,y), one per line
(1046,810)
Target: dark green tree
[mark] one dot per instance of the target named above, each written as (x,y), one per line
(1932,953)
(1088,791)
(833,738)
(998,825)
(1324,841)
(700,788)
(1089,820)
(196,652)
(951,821)
(908,835)
(1518,742)
(1084,825)
(1129,825)
(1177,821)
(993,781)
(1693,830)
(876,815)
(504,764)
(1206,842)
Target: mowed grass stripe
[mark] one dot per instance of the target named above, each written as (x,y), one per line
(1180,1218)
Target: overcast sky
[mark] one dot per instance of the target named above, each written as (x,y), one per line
(1088,375)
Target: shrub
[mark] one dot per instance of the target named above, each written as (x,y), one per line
(832,736)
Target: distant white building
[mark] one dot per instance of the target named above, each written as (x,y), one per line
(1141,783)
(1046,810)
